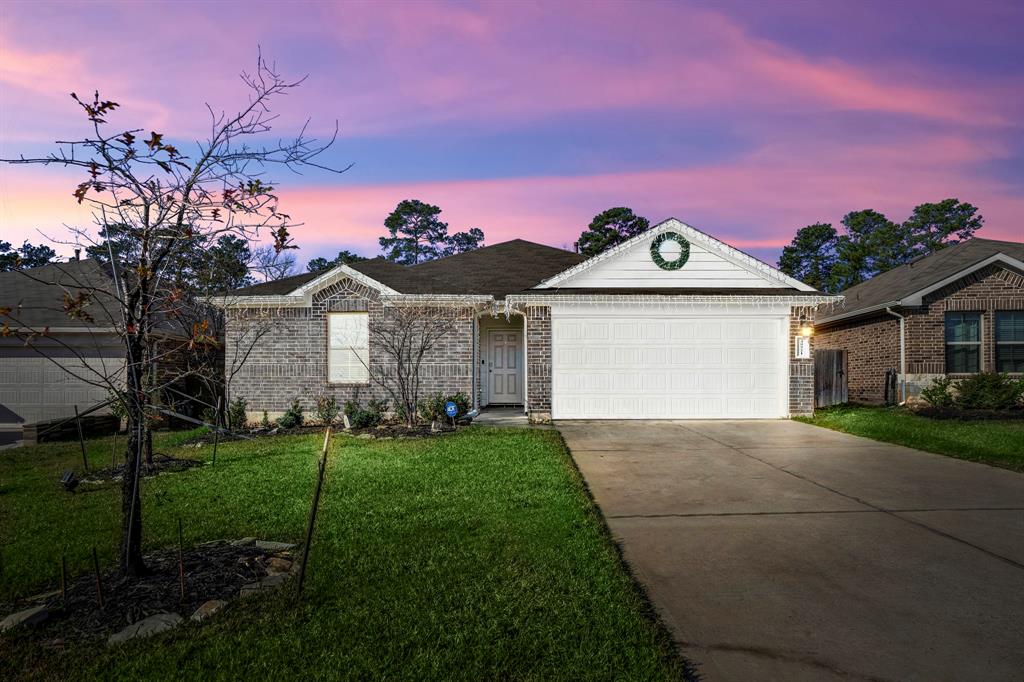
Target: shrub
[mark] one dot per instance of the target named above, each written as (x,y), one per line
(937,395)
(432,407)
(988,391)
(265,422)
(236,413)
(293,416)
(365,417)
(326,409)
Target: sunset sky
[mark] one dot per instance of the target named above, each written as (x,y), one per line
(746,120)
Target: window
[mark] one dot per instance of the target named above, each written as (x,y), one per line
(348,348)
(1010,341)
(963,343)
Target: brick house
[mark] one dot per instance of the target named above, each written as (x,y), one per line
(956,312)
(670,324)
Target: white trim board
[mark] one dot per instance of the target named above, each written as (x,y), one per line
(763,275)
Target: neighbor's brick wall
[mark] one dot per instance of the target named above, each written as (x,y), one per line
(872,344)
(801,372)
(872,347)
(538,362)
(290,359)
(986,291)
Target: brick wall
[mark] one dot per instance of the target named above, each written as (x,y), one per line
(801,371)
(872,344)
(289,359)
(538,362)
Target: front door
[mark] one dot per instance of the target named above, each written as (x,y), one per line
(505,368)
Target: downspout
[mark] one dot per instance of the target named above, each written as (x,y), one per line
(903,354)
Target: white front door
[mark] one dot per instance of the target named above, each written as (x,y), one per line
(504,367)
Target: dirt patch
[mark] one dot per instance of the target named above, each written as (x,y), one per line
(215,570)
(161,464)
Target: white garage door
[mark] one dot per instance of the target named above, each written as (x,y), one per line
(35,389)
(625,365)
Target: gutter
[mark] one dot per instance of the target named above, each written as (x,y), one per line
(903,354)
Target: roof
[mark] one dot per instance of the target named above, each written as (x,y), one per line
(675,291)
(899,284)
(37,295)
(508,267)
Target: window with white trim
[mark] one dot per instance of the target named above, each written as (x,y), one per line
(963,343)
(1010,341)
(348,348)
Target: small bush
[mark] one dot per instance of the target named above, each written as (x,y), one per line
(365,417)
(988,391)
(326,409)
(938,395)
(431,408)
(293,416)
(265,422)
(236,413)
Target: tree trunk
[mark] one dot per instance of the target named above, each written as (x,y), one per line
(131,504)
(148,445)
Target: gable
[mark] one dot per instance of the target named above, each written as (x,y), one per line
(711,265)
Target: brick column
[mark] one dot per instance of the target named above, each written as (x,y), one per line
(538,363)
(801,371)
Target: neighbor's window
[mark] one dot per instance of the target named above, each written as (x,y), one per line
(963,343)
(348,348)
(1010,341)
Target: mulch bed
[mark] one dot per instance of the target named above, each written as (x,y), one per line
(161,464)
(213,570)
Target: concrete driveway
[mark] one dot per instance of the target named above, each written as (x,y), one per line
(776,550)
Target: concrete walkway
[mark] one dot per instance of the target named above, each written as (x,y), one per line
(776,550)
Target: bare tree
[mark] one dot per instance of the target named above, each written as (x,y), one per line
(163,201)
(270,263)
(406,336)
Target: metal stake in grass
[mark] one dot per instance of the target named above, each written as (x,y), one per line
(216,430)
(181,562)
(81,439)
(96,570)
(312,511)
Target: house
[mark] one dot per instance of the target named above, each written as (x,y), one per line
(670,324)
(955,312)
(51,361)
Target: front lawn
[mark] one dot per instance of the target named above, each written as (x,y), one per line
(999,443)
(470,556)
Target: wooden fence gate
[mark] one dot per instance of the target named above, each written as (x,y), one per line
(830,377)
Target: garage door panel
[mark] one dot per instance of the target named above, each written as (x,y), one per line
(36,389)
(680,366)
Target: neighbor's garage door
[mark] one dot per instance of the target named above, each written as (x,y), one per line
(35,389)
(616,365)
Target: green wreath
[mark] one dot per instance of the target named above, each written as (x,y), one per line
(684,251)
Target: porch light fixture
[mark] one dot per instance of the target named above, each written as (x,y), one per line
(805,327)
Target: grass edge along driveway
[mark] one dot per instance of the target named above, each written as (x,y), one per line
(998,443)
(475,555)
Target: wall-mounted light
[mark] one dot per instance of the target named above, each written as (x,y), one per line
(805,327)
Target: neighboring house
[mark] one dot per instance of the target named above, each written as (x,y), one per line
(46,377)
(50,361)
(670,324)
(956,312)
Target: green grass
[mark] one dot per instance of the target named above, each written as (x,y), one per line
(999,443)
(476,555)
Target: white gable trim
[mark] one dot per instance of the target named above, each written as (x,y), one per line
(303,295)
(916,297)
(728,253)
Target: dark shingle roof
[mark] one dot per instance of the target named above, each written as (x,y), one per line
(505,268)
(37,295)
(898,283)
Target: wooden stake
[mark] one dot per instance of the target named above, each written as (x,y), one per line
(81,439)
(96,570)
(216,430)
(113,454)
(63,577)
(181,562)
(312,511)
